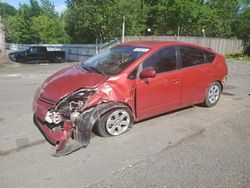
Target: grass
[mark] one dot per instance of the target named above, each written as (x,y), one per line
(238,57)
(246,58)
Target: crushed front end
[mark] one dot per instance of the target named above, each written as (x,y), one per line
(61,123)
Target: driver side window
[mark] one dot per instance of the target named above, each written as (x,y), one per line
(33,50)
(162,61)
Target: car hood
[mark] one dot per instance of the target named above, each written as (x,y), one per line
(68,80)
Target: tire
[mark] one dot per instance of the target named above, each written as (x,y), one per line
(212,95)
(57,60)
(46,61)
(12,57)
(114,123)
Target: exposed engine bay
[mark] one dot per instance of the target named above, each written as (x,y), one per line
(69,108)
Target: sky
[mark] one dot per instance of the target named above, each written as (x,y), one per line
(59,4)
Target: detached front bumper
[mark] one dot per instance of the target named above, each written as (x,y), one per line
(56,134)
(60,137)
(52,137)
(68,137)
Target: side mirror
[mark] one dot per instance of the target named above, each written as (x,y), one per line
(147,73)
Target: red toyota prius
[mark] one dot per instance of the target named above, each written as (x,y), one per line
(125,84)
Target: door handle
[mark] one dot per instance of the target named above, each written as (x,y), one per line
(209,72)
(176,80)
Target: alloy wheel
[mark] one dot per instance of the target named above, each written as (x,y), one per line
(118,122)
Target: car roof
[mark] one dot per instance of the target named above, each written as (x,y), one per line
(157,44)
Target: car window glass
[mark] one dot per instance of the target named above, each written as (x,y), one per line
(133,74)
(39,50)
(209,56)
(191,56)
(115,60)
(162,61)
(33,50)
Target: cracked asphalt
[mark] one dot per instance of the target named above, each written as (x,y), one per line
(192,147)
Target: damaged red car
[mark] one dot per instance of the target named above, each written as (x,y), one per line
(125,84)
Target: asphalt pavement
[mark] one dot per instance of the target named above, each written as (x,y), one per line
(192,147)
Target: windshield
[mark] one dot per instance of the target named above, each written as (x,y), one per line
(114,60)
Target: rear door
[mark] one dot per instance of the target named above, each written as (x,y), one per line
(162,93)
(196,75)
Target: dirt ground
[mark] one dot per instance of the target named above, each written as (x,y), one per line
(192,147)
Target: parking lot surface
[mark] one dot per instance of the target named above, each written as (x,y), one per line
(192,147)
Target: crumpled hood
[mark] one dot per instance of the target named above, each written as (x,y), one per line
(68,80)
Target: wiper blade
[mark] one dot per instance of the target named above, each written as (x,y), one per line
(91,69)
(96,70)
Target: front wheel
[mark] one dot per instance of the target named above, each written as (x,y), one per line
(114,123)
(213,95)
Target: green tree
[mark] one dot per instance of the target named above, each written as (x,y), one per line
(35,23)
(241,25)
(227,11)
(48,8)
(7,10)
(241,28)
(88,20)
(215,17)
(48,30)
(19,26)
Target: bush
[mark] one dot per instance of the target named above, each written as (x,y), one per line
(234,55)
(247,49)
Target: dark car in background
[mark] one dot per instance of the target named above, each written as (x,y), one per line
(37,54)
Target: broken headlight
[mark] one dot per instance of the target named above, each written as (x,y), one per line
(73,102)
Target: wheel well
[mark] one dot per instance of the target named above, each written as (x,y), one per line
(221,85)
(218,81)
(125,106)
(107,107)
(115,105)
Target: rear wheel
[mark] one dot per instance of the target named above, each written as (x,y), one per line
(57,60)
(213,95)
(114,123)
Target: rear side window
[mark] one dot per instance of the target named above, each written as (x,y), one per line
(191,56)
(209,56)
(162,61)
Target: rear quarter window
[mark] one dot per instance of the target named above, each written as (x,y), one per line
(191,56)
(209,56)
